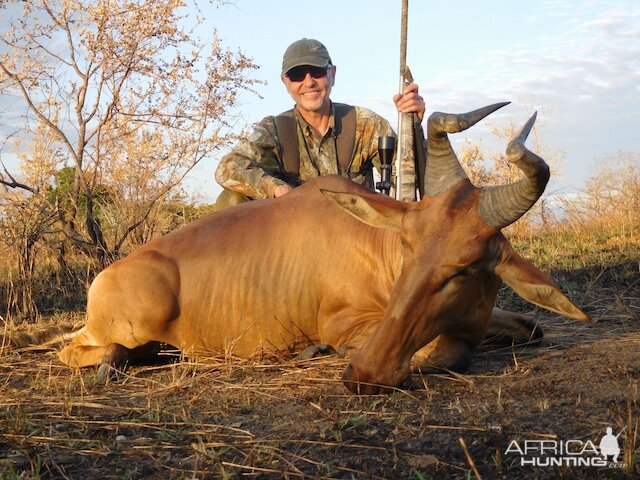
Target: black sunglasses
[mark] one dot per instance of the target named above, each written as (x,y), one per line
(298,74)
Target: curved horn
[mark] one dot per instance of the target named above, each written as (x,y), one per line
(504,204)
(443,168)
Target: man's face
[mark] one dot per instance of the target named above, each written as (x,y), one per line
(310,87)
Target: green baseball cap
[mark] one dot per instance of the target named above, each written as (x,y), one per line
(305,51)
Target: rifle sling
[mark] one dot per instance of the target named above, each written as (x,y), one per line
(420,150)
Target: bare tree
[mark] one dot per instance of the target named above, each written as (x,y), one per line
(25,217)
(131,99)
(611,197)
(22,227)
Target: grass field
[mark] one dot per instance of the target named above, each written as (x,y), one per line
(275,418)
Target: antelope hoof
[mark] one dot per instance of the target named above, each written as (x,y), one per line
(315,351)
(106,373)
(410,384)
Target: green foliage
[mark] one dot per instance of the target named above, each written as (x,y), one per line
(64,181)
(66,189)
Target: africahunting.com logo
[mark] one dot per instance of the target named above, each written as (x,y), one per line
(568,453)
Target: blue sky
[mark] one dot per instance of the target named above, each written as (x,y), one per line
(576,62)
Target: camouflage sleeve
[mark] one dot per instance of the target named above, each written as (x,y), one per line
(383,128)
(250,166)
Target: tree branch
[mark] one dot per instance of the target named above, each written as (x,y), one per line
(13,183)
(59,133)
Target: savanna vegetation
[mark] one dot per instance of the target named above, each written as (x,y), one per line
(121,107)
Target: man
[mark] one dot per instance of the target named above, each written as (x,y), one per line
(318,137)
(609,445)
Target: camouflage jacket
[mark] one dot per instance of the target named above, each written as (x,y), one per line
(253,166)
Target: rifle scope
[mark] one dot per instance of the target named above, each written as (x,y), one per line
(386,149)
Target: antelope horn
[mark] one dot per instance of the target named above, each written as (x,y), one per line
(504,204)
(443,168)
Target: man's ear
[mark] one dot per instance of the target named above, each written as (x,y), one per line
(375,210)
(333,75)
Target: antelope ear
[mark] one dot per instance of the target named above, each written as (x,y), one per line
(375,210)
(534,286)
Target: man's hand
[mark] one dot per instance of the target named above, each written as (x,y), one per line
(410,101)
(282,190)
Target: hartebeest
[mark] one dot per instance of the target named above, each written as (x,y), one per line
(332,263)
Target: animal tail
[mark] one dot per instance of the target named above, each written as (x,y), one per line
(46,339)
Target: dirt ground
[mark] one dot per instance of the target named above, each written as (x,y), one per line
(275,418)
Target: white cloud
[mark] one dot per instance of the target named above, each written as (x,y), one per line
(586,76)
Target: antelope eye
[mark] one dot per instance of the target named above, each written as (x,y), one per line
(461,272)
(467,270)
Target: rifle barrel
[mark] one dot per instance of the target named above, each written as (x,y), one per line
(403,66)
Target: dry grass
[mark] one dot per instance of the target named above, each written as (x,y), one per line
(275,418)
